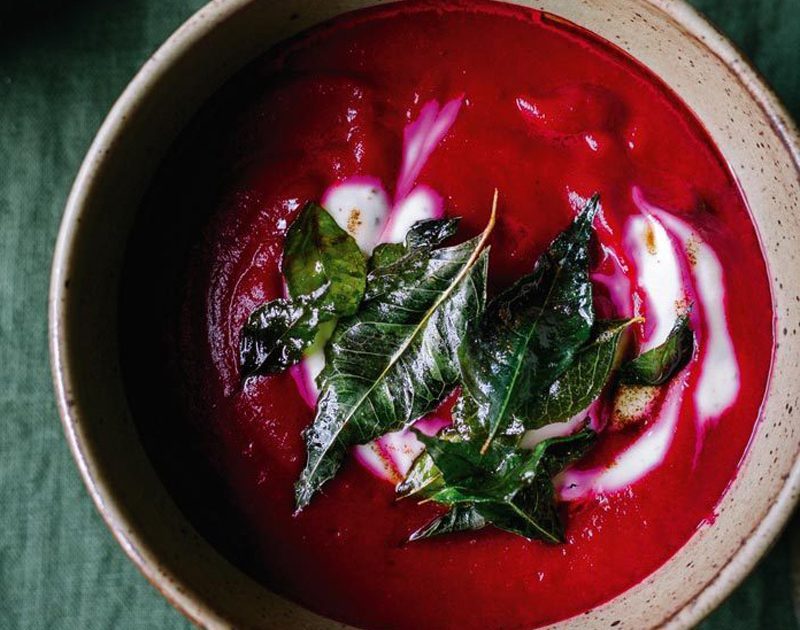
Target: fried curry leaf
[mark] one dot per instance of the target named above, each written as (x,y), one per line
(505,486)
(319,253)
(326,277)
(409,259)
(277,333)
(423,234)
(531,332)
(396,359)
(581,383)
(657,366)
(423,478)
(459,518)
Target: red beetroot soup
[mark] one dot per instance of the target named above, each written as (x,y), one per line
(548,114)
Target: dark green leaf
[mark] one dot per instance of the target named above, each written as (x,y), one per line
(277,333)
(657,366)
(431,232)
(581,383)
(395,360)
(531,332)
(423,478)
(319,253)
(508,487)
(422,235)
(459,518)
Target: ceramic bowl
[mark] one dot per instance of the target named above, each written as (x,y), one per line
(741,114)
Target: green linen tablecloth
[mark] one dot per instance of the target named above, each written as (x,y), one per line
(62,64)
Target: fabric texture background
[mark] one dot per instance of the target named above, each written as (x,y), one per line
(62,65)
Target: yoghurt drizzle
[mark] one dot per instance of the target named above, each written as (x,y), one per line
(672,268)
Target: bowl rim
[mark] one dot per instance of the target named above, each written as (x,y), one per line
(189,34)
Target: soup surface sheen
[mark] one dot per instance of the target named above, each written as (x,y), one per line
(412,111)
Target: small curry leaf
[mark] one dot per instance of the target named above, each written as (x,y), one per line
(277,333)
(459,518)
(320,253)
(657,366)
(423,478)
(431,232)
(421,235)
(581,383)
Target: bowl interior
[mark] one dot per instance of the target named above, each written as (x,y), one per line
(743,119)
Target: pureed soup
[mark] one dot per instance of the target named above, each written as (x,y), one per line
(419,112)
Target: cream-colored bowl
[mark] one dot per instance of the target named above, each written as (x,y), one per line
(746,122)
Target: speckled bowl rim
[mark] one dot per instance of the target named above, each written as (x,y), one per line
(187,36)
